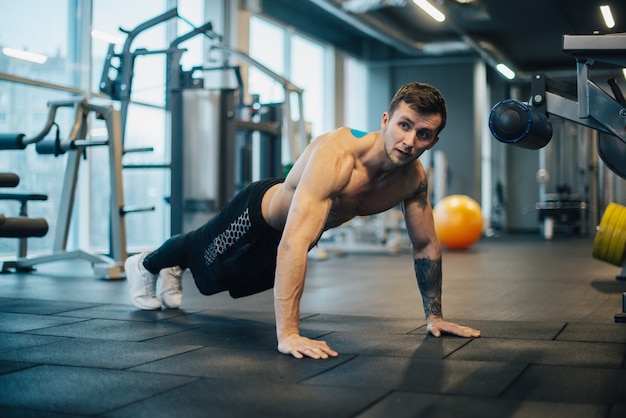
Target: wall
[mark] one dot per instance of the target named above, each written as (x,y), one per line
(457,140)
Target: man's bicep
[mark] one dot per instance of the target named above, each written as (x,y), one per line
(307,215)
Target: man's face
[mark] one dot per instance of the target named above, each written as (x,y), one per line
(407,134)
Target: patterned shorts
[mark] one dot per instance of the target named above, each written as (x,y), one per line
(236,250)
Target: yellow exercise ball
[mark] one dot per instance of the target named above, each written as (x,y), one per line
(458,221)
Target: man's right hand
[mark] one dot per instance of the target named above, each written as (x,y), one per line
(299,347)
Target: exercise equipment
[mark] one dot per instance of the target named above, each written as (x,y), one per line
(108,266)
(527,125)
(609,244)
(458,221)
(210,155)
(587,105)
(513,122)
(21,227)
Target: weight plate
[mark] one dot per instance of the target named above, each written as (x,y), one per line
(602,241)
(617,243)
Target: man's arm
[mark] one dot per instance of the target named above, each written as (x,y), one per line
(427,263)
(325,173)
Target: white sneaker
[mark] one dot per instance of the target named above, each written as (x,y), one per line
(142,283)
(171,287)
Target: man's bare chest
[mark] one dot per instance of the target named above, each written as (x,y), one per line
(363,200)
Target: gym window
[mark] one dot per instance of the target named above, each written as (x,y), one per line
(301,60)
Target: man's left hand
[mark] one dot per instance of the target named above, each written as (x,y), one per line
(437,326)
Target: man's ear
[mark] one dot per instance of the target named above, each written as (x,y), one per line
(384,120)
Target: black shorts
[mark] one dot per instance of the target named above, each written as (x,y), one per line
(236,250)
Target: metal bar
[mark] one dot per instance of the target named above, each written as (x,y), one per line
(30,82)
(568,109)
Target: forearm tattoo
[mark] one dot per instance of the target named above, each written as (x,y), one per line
(428,274)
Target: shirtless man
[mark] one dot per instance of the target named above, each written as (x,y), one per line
(261,238)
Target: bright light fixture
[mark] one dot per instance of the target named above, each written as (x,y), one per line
(107,37)
(24,55)
(607,16)
(431,10)
(624,72)
(505,71)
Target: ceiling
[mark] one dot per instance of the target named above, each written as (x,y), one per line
(527,35)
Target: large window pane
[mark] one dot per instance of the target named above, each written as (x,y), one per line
(148,83)
(355,94)
(146,124)
(307,72)
(35,40)
(37,43)
(266,46)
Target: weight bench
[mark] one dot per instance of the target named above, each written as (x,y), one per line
(21,227)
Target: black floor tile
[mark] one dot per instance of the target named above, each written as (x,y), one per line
(532,330)
(219,398)
(230,331)
(243,365)
(77,390)
(227,332)
(365,324)
(411,405)
(565,353)
(617,411)
(6,412)
(609,333)
(108,329)
(403,345)
(10,341)
(125,313)
(14,322)
(40,306)
(570,384)
(95,353)
(423,375)
(11,366)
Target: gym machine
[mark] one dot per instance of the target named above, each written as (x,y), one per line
(211,129)
(21,227)
(527,125)
(107,266)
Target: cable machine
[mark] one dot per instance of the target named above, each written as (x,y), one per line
(211,129)
(527,125)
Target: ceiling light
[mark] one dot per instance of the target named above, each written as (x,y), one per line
(107,37)
(608,16)
(506,71)
(431,10)
(24,55)
(624,72)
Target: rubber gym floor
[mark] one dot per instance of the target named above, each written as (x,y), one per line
(73,345)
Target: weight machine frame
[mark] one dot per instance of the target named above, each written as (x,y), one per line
(110,266)
(119,87)
(591,106)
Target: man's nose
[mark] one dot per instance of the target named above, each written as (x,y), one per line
(408,141)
